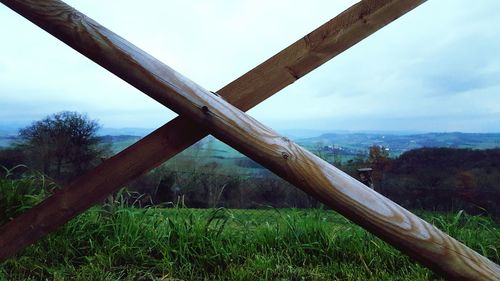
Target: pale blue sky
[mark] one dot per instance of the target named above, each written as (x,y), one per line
(435,69)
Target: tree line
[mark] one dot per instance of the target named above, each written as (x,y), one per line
(64,145)
(444,179)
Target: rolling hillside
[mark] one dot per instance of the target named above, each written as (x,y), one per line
(346,144)
(397,144)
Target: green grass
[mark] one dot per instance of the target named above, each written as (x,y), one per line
(190,244)
(123,243)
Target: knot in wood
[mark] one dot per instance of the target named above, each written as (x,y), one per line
(285,155)
(76,16)
(204,109)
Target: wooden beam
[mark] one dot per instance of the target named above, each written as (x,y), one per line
(314,49)
(376,213)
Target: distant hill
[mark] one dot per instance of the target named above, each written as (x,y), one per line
(119,138)
(9,129)
(124,131)
(8,136)
(399,143)
(344,142)
(7,140)
(119,143)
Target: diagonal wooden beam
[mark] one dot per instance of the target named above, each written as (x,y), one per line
(314,49)
(369,209)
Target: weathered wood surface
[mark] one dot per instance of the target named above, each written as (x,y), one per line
(336,189)
(330,39)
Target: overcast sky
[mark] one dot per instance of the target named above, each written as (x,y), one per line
(435,69)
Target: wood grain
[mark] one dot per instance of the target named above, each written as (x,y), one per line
(336,189)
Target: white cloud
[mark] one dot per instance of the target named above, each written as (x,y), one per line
(440,61)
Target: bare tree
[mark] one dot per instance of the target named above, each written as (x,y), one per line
(62,145)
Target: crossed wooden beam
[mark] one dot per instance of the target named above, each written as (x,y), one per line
(222,115)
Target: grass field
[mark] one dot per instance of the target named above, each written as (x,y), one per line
(192,244)
(116,242)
